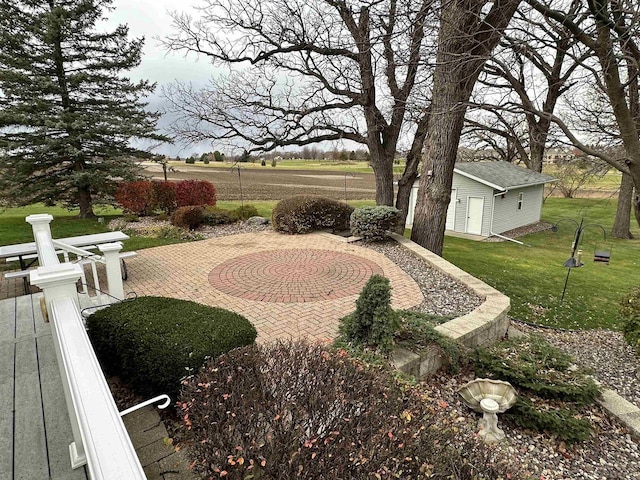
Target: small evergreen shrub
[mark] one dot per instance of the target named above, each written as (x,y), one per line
(190,217)
(531,363)
(416,332)
(372,223)
(374,321)
(135,197)
(195,192)
(217,216)
(244,212)
(297,412)
(630,317)
(535,368)
(153,342)
(560,422)
(190,160)
(306,213)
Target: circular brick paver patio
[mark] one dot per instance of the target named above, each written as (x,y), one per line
(293,275)
(306,283)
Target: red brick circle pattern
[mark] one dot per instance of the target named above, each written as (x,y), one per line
(293,275)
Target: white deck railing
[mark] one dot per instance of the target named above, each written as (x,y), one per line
(100,438)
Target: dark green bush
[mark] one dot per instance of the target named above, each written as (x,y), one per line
(372,223)
(244,212)
(218,216)
(561,423)
(305,213)
(535,368)
(416,332)
(190,217)
(374,321)
(297,412)
(153,342)
(630,316)
(531,363)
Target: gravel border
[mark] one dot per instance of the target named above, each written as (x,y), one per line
(442,295)
(610,452)
(615,363)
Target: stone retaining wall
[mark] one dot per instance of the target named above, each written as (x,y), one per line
(482,327)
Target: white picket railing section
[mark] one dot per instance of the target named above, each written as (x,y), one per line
(100,438)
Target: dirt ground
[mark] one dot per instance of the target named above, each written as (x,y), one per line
(274,184)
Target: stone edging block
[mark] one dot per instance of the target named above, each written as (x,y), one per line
(626,412)
(483,326)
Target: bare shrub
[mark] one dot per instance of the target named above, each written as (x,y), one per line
(296,411)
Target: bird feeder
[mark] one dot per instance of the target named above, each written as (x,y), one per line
(602,256)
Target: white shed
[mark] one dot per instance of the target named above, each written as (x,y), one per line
(489,198)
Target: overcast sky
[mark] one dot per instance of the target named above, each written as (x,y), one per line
(149,19)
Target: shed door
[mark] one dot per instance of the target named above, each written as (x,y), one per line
(475,207)
(451,211)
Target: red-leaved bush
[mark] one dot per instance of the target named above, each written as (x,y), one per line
(164,196)
(296,411)
(135,197)
(195,192)
(144,197)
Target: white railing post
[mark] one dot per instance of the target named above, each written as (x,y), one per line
(59,281)
(100,439)
(111,252)
(40,223)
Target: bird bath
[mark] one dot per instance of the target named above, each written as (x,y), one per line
(489,397)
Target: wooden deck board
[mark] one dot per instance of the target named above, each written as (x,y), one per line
(24,317)
(6,404)
(30,450)
(7,320)
(34,439)
(56,417)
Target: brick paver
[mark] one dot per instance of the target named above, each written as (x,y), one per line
(288,286)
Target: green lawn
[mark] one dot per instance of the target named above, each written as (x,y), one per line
(533,276)
(14,229)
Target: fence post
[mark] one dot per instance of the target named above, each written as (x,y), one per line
(111,252)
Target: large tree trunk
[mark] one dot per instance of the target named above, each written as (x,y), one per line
(434,190)
(383,173)
(410,174)
(85,203)
(465,40)
(621,224)
(537,143)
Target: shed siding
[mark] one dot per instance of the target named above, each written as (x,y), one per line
(470,188)
(506,215)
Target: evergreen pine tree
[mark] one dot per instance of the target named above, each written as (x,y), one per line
(67,113)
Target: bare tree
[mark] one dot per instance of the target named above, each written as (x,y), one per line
(611,31)
(307,71)
(573,174)
(534,65)
(468,33)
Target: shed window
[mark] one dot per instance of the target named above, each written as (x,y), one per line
(520,198)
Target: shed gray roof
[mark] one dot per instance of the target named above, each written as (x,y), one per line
(501,175)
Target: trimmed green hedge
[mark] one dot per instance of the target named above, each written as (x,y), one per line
(372,223)
(153,342)
(306,213)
